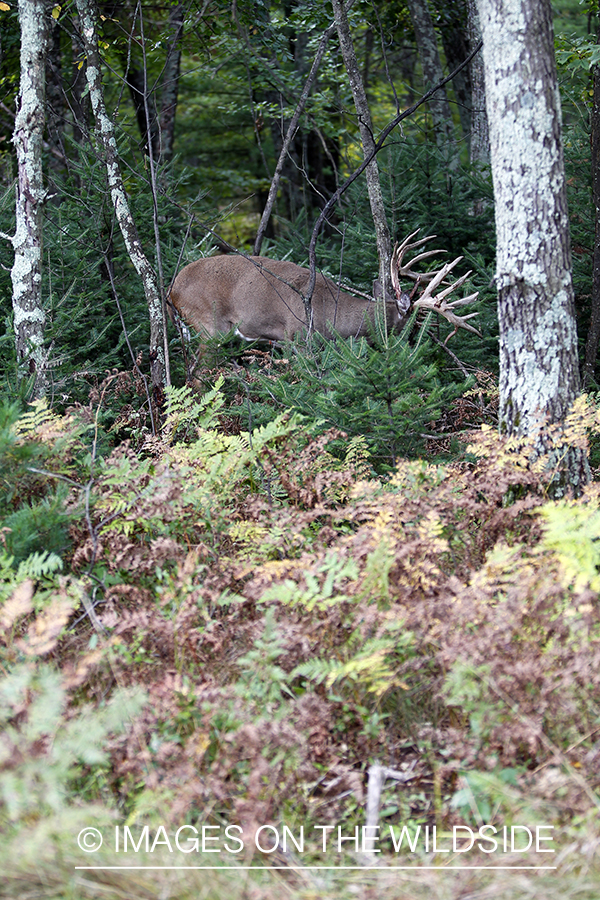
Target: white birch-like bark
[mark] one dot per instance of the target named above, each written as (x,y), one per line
(539,375)
(26,273)
(382,232)
(108,146)
(593,335)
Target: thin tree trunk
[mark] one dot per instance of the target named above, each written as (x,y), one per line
(432,73)
(145,108)
(55,109)
(369,42)
(108,146)
(593,335)
(382,232)
(288,139)
(539,375)
(456,50)
(479,147)
(26,273)
(170,85)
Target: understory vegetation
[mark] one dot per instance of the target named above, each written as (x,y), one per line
(223,627)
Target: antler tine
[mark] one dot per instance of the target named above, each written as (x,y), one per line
(439,304)
(425,276)
(454,286)
(433,280)
(436,278)
(406,270)
(462,301)
(406,245)
(460,322)
(446,310)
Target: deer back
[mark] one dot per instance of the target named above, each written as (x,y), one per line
(262,298)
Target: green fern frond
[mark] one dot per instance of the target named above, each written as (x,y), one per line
(370,667)
(572,531)
(34,567)
(32,421)
(187,409)
(322,588)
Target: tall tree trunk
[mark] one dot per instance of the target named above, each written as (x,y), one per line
(26,273)
(456,49)
(432,73)
(55,109)
(593,335)
(291,131)
(144,105)
(382,232)
(170,84)
(479,147)
(539,376)
(108,147)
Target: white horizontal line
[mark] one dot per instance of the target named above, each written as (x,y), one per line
(301,868)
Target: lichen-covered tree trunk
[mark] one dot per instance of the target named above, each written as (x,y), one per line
(593,335)
(382,232)
(26,273)
(432,72)
(108,147)
(539,376)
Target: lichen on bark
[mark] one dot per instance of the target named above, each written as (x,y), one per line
(108,147)
(539,373)
(28,310)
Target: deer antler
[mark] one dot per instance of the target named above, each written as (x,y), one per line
(427,300)
(400,271)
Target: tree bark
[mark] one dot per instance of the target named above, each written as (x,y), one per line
(456,49)
(382,232)
(479,147)
(289,135)
(26,273)
(432,72)
(170,85)
(593,335)
(108,148)
(55,109)
(539,376)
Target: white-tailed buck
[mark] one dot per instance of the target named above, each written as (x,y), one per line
(264,299)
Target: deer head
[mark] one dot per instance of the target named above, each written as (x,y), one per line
(426,300)
(264,299)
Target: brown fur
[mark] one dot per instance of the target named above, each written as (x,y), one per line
(262,298)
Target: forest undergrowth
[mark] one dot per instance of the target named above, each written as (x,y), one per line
(216,628)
